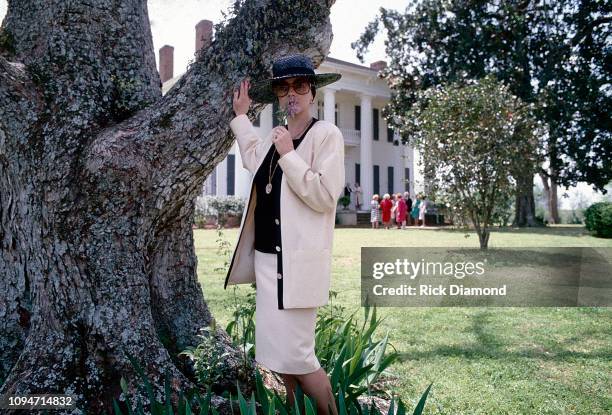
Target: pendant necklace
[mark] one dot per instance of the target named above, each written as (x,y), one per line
(271,173)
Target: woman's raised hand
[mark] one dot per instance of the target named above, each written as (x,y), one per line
(242,102)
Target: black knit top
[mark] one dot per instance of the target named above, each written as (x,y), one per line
(267,209)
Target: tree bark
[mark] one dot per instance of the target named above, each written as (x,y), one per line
(553,201)
(550,191)
(483,238)
(98,176)
(524,208)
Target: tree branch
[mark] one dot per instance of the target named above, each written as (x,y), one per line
(178,141)
(586,30)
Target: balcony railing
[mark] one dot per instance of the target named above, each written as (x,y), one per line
(351,137)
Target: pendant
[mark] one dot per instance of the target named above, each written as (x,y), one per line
(268,188)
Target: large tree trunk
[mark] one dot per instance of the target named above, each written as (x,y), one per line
(550,191)
(98,174)
(524,208)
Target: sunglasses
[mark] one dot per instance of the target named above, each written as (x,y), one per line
(300,86)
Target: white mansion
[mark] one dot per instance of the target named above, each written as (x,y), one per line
(374,155)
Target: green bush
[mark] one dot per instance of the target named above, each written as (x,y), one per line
(242,328)
(598,219)
(345,201)
(208,356)
(349,353)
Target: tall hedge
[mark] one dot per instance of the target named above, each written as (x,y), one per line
(598,219)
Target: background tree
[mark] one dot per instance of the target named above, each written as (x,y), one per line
(98,176)
(480,138)
(551,53)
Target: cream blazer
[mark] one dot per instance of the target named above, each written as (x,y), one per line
(311,184)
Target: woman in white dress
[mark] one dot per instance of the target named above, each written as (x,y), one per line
(423,210)
(358,193)
(285,337)
(375,211)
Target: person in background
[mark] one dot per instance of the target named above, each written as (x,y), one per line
(400,212)
(386,205)
(423,210)
(347,191)
(415,209)
(393,199)
(374,212)
(408,201)
(358,193)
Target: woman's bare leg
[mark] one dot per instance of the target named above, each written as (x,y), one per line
(317,386)
(291,382)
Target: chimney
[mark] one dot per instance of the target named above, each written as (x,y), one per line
(378,65)
(166,63)
(204,31)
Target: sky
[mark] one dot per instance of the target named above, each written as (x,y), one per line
(173,23)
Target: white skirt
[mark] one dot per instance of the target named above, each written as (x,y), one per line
(284,339)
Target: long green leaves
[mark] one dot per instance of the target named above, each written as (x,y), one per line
(348,352)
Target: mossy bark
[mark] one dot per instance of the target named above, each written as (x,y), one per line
(98,176)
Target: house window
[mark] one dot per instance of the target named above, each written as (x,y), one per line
(336,115)
(376,180)
(321,112)
(390,134)
(407,179)
(213,182)
(358,117)
(390,179)
(231,168)
(357,173)
(375,123)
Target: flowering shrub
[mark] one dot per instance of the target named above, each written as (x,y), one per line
(219,208)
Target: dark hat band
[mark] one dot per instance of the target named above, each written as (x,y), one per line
(294,70)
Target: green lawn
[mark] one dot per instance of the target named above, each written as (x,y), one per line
(481,360)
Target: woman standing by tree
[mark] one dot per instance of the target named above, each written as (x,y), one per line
(298,177)
(416,208)
(375,212)
(386,205)
(423,210)
(408,201)
(400,212)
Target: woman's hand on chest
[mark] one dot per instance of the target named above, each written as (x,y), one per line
(282,140)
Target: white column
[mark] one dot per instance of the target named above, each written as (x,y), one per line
(366,149)
(329,105)
(222,178)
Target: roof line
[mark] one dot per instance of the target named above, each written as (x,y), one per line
(335,60)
